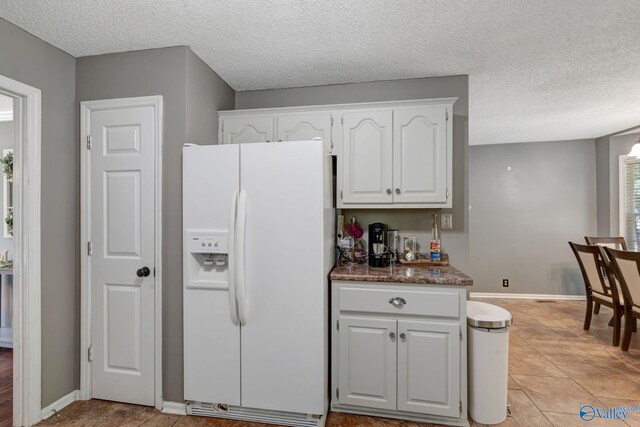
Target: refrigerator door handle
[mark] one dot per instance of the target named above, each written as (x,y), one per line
(233,303)
(241,291)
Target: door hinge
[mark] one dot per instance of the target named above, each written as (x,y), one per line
(90,354)
(341,120)
(89,248)
(337,324)
(446,115)
(460,406)
(447,194)
(460,333)
(331,121)
(88,142)
(337,393)
(341,195)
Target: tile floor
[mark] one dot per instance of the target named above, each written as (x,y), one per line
(554,368)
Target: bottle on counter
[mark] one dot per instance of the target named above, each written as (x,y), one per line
(434,245)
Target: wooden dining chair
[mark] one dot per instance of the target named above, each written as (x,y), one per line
(627,269)
(613,242)
(590,258)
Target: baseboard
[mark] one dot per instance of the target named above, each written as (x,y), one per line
(544,297)
(174,408)
(59,404)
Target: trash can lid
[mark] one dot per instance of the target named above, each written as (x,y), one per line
(483,315)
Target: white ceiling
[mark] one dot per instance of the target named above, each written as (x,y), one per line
(538,70)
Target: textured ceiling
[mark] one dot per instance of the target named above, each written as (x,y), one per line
(538,70)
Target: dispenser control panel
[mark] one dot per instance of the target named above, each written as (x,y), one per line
(207,242)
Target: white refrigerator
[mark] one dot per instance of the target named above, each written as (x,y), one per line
(258,248)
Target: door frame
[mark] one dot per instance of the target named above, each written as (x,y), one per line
(27,368)
(86,108)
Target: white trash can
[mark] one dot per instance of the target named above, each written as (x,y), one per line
(488,359)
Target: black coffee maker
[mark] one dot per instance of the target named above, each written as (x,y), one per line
(379,255)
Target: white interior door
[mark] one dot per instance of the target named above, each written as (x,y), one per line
(367,157)
(420,155)
(122,206)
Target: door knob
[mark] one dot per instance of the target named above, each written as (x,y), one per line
(397,191)
(392,335)
(388,191)
(143,272)
(403,336)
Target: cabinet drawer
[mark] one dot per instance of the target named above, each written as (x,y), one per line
(418,302)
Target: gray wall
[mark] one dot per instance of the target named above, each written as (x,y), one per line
(207,93)
(602,186)
(415,222)
(521,220)
(29,60)
(190,92)
(6,142)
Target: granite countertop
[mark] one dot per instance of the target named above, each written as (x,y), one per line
(398,273)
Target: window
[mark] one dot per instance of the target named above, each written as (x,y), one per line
(630,201)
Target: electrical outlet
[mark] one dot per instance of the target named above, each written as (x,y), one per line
(446,221)
(505,283)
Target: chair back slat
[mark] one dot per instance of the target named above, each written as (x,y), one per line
(612,242)
(627,267)
(589,258)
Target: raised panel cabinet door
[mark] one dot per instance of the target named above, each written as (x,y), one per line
(367,156)
(420,155)
(367,362)
(303,127)
(243,130)
(429,367)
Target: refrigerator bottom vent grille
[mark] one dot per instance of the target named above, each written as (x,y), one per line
(255,415)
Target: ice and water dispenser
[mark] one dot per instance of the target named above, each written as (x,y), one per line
(207,258)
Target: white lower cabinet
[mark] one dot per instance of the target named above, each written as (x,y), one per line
(403,361)
(368,354)
(429,367)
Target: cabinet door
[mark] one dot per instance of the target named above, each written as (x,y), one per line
(241,130)
(367,367)
(429,367)
(420,155)
(367,156)
(303,127)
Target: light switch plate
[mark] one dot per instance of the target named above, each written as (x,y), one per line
(446,222)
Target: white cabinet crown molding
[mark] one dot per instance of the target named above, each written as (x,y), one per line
(338,107)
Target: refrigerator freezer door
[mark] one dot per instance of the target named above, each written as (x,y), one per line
(284,332)
(211,340)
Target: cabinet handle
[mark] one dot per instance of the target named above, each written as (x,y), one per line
(397,191)
(403,336)
(388,191)
(392,335)
(397,302)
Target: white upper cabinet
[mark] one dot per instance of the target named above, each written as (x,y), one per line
(389,154)
(367,157)
(420,155)
(246,129)
(303,126)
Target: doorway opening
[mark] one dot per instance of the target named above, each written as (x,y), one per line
(20,270)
